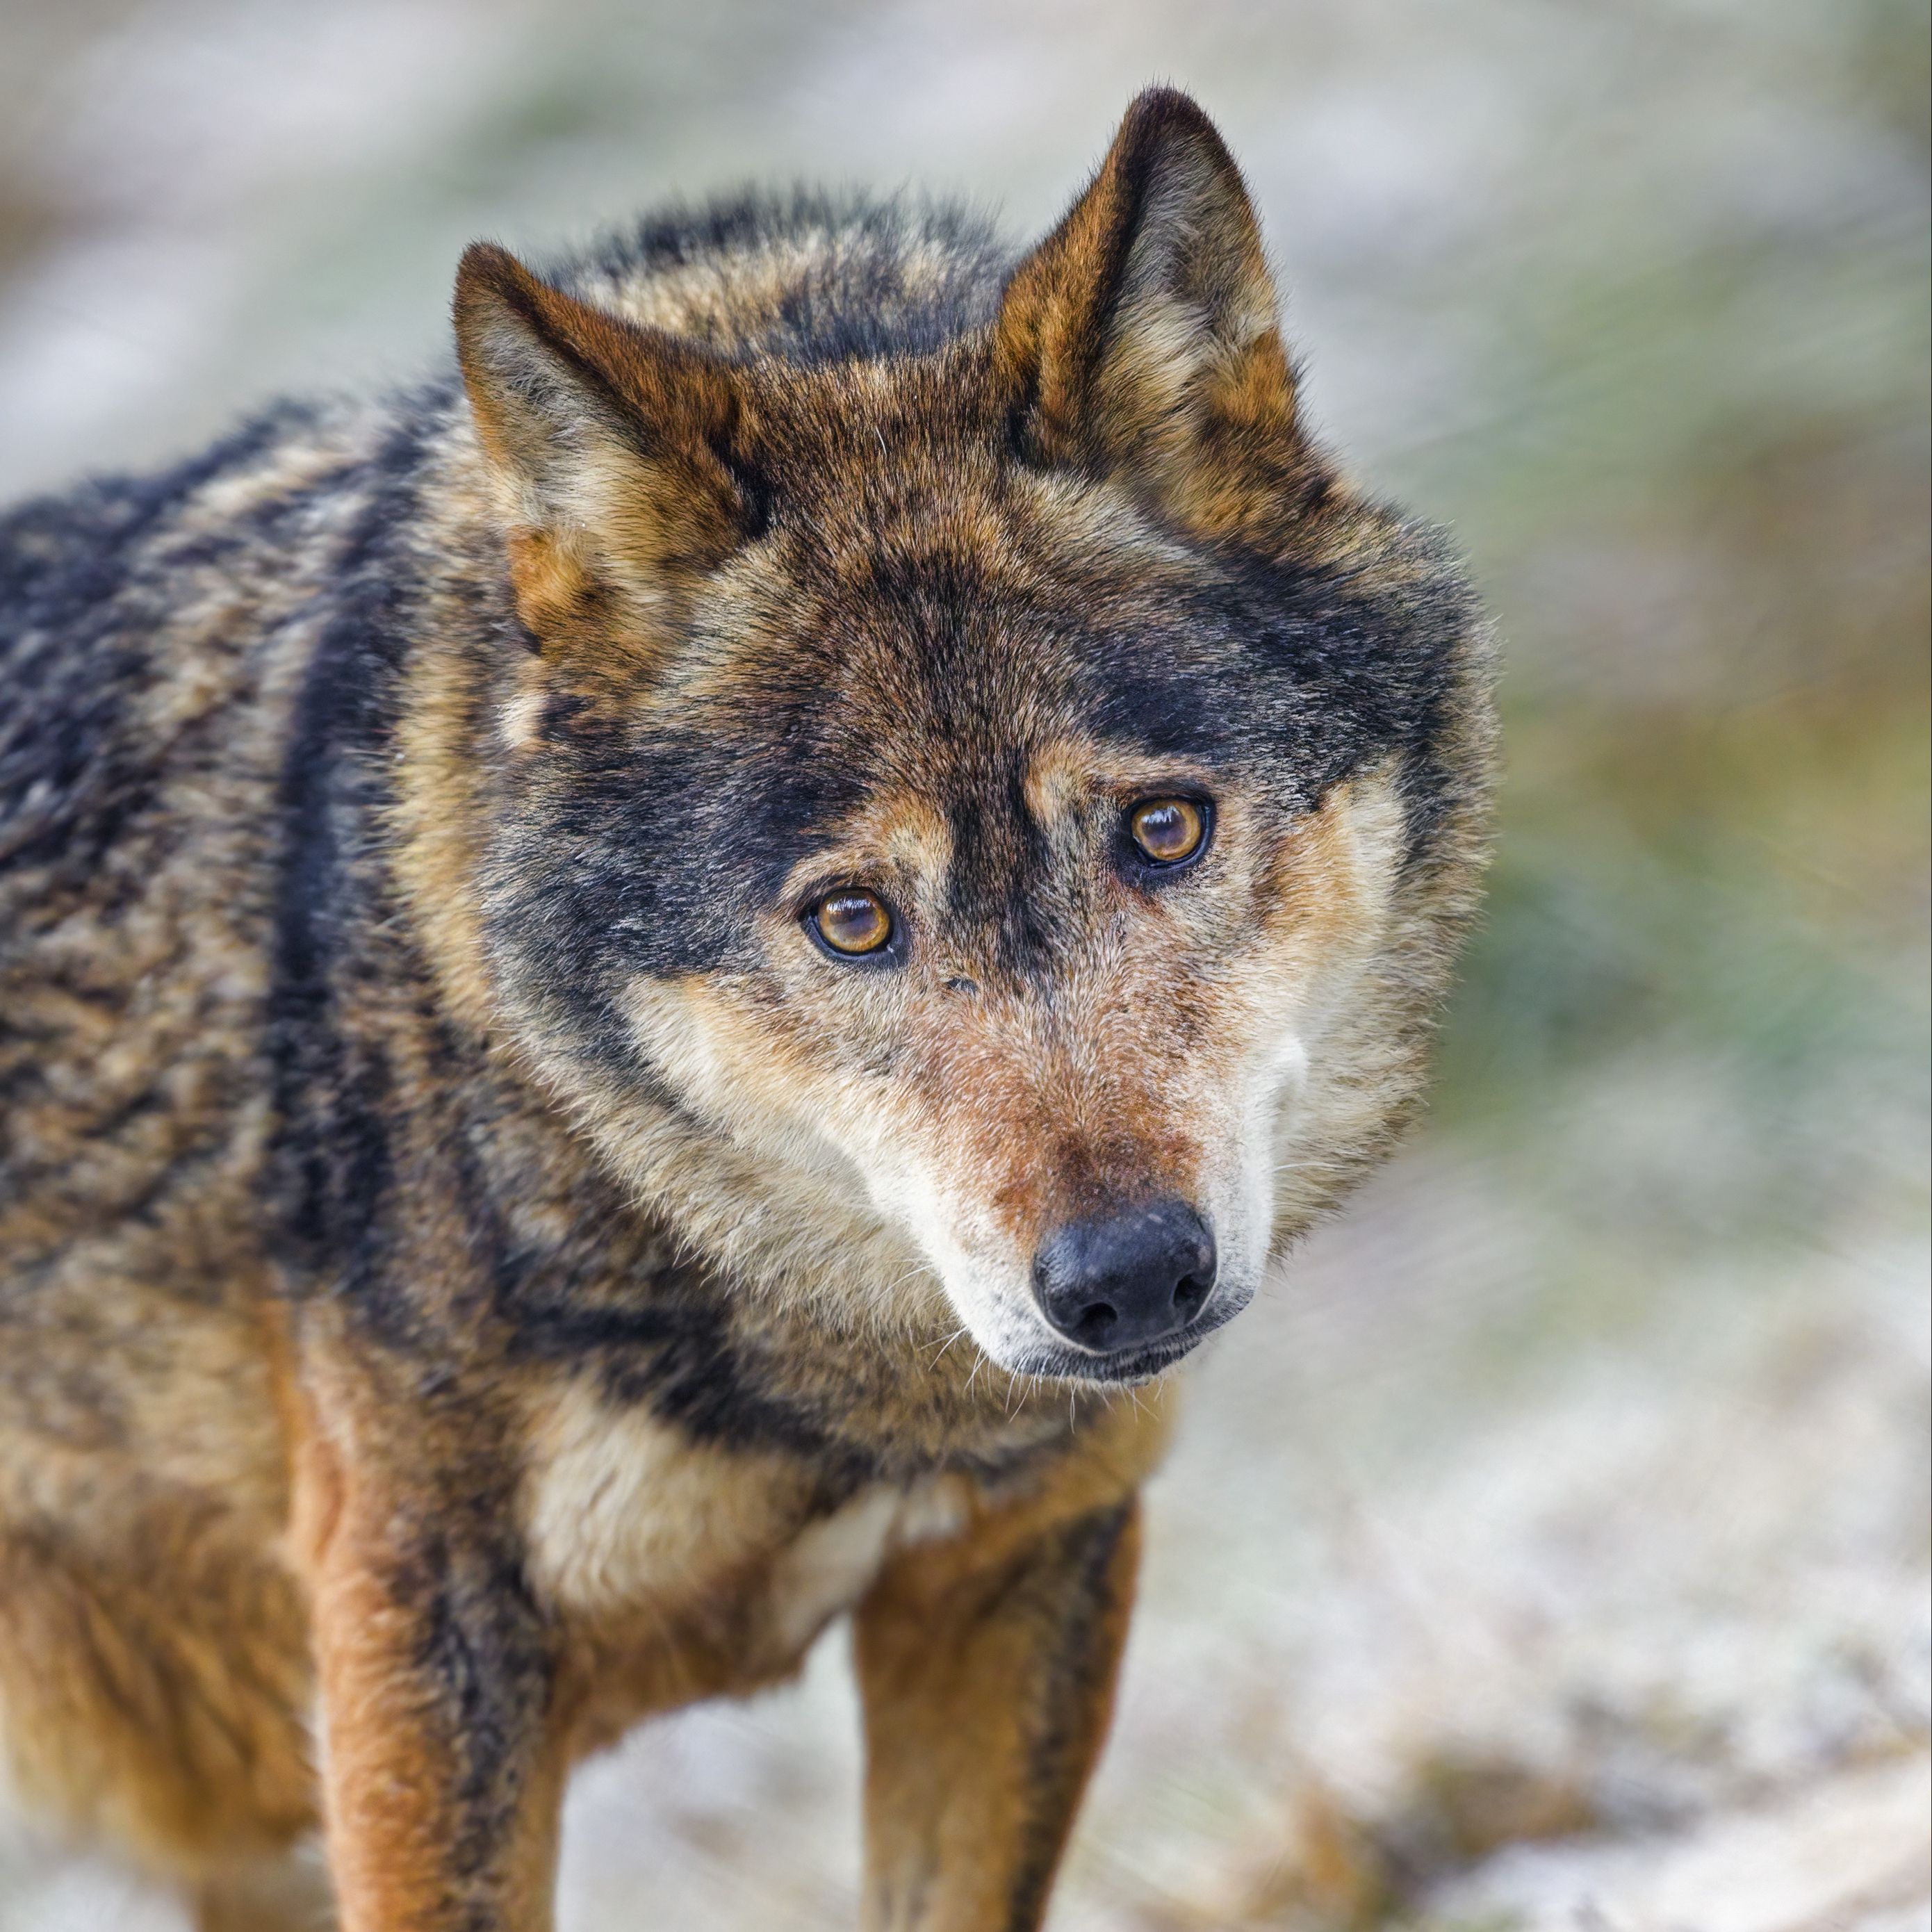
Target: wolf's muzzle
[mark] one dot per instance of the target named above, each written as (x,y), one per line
(1119,1283)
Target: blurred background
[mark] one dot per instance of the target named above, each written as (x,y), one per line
(1548,1548)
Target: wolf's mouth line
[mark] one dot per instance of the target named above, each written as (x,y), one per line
(1069,1362)
(1142,1366)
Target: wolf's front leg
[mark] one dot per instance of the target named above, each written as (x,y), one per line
(442,1770)
(988,1675)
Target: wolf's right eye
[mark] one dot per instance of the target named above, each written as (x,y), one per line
(852,921)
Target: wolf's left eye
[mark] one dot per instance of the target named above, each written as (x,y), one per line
(852,921)
(1168,831)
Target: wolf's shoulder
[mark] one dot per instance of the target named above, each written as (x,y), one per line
(801,275)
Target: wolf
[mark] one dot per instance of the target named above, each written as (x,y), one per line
(645,993)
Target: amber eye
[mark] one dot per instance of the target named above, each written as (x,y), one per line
(1168,831)
(852,921)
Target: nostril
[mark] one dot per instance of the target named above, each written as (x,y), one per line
(1097,1322)
(1188,1295)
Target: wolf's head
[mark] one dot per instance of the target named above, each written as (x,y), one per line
(1005,783)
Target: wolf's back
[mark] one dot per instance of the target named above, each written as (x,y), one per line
(151,630)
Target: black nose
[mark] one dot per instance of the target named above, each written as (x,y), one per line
(1121,1281)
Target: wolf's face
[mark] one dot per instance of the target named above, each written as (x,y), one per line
(1016,916)
(996,786)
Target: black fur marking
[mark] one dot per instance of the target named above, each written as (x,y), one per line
(333,1165)
(1071,1682)
(1306,674)
(672,1350)
(481,1653)
(588,880)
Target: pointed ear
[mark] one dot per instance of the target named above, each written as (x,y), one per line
(610,446)
(1141,337)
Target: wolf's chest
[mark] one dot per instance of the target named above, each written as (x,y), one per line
(625,1517)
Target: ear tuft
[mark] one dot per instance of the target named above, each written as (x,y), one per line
(1141,338)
